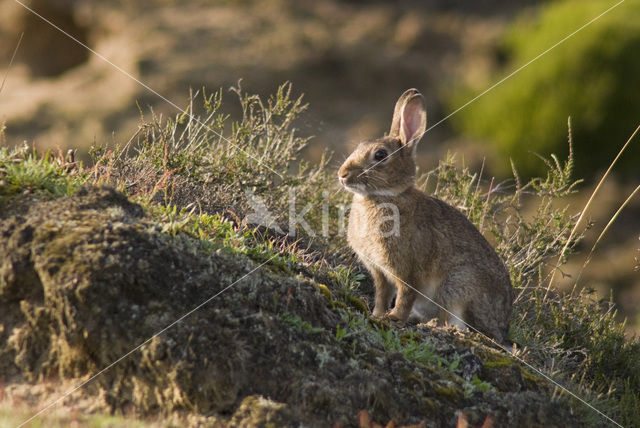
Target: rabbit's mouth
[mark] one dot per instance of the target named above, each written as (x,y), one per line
(364,185)
(367,187)
(372,191)
(362,190)
(350,181)
(359,189)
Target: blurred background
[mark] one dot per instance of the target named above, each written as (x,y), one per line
(352,59)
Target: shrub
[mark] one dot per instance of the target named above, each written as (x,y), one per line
(207,158)
(591,77)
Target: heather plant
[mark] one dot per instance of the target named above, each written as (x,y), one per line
(202,156)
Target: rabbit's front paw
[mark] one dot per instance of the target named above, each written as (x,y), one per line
(397,314)
(394,319)
(378,313)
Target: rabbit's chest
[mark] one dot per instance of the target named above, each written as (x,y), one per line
(377,234)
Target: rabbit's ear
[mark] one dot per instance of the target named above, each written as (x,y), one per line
(397,111)
(413,120)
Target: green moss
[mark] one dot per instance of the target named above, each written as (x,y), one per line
(411,378)
(325,292)
(410,337)
(450,393)
(379,323)
(338,304)
(358,304)
(497,364)
(430,406)
(534,382)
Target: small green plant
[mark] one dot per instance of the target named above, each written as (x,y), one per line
(347,279)
(214,231)
(341,333)
(419,351)
(300,324)
(475,384)
(22,170)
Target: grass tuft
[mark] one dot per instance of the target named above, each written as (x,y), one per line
(24,171)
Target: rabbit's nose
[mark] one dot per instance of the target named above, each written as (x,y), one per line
(342,175)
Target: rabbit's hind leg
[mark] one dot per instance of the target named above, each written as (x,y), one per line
(454,315)
(469,305)
(424,309)
(455,297)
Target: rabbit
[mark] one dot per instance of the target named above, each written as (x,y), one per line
(415,244)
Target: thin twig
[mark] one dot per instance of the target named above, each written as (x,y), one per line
(604,231)
(15,51)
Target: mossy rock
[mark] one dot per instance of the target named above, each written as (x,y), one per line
(87,278)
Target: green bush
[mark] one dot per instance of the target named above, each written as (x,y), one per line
(592,77)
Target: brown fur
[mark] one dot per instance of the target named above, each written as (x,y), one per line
(437,250)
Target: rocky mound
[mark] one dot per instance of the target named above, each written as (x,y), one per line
(87,278)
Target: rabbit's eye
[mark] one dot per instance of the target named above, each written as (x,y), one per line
(380,155)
